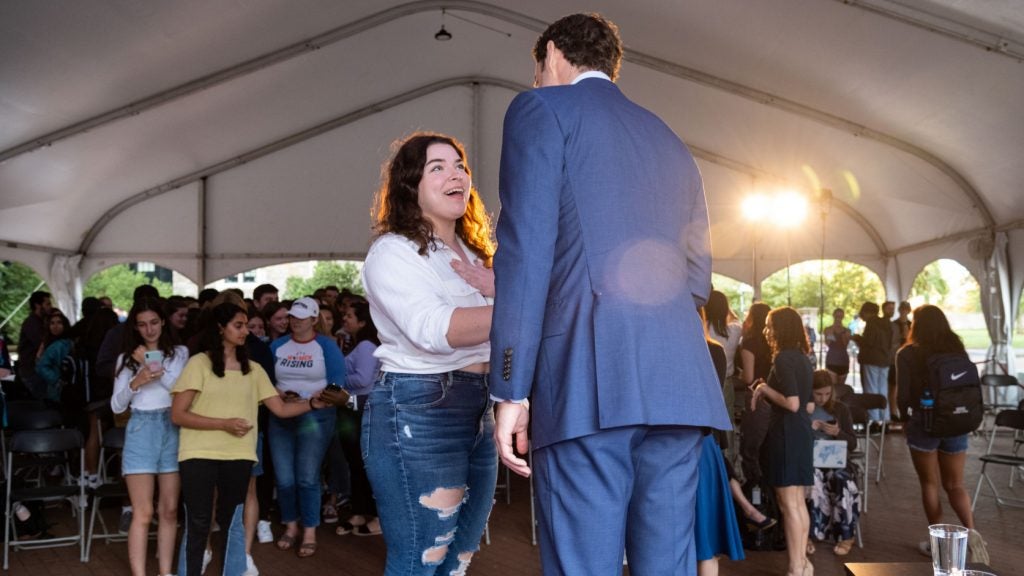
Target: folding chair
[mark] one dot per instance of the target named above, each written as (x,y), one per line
(860,419)
(24,416)
(875,441)
(1013,420)
(995,390)
(25,449)
(113,487)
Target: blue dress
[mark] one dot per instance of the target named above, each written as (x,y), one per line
(716,530)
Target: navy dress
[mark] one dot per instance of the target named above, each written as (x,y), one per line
(789,447)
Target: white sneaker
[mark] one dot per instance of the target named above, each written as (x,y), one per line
(264,533)
(207,557)
(250,568)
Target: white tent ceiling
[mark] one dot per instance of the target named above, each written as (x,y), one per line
(216,137)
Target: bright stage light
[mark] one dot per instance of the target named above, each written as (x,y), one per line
(756,207)
(789,209)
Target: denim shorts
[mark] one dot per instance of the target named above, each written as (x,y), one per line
(150,443)
(919,440)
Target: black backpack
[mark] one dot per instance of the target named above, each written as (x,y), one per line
(956,387)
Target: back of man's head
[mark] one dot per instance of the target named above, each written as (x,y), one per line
(145,291)
(588,42)
(37,299)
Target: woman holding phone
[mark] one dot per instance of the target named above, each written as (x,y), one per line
(305,362)
(835,499)
(147,369)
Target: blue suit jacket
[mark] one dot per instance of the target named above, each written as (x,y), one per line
(603,254)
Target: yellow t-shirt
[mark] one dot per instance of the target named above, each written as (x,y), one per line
(236,395)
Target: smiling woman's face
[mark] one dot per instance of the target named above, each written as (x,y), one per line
(443,192)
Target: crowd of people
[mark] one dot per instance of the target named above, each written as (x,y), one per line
(589,309)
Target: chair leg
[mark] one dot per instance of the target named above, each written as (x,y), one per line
(977,489)
(881,452)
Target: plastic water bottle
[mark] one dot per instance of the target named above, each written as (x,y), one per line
(21,513)
(927,409)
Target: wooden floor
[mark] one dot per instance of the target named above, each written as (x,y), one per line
(892,527)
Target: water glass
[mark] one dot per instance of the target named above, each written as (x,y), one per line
(949,548)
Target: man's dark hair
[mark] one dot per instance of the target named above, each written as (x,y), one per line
(206,295)
(262,289)
(330,287)
(588,42)
(37,298)
(90,305)
(143,291)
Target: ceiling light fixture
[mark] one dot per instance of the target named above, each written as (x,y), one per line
(442,34)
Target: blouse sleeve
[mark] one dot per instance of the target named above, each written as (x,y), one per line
(362,367)
(193,376)
(404,288)
(122,397)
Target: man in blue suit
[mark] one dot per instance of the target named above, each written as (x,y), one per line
(603,256)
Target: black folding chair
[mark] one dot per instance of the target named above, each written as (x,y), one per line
(872,440)
(26,449)
(1014,421)
(113,487)
(26,415)
(995,389)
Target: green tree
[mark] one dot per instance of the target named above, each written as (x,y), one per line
(17,282)
(340,274)
(118,283)
(846,285)
(930,285)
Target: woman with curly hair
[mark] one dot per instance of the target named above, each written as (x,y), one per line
(789,445)
(428,423)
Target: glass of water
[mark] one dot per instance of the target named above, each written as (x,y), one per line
(949,548)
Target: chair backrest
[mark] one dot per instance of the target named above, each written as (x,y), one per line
(999,380)
(31,417)
(1010,419)
(858,414)
(42,441)
(113,439)
(867,401)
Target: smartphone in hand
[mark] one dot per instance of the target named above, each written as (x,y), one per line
(154,360)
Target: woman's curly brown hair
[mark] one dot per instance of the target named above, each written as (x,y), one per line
(787,331)
(396,207)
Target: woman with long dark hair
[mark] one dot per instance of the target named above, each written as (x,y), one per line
(56,346)
(215,403)
(789,444)
(147,368)
(361,368)
(428,424)
(937,461)
(755,363)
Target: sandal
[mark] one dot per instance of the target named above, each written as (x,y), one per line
(344,528)
(286,542)
(366,530)
(810,548)
(843,547)
(307,549)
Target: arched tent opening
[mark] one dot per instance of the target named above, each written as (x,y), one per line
(119,281)
(17,283)
(296,279)
(221,141)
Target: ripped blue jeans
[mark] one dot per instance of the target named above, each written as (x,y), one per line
(429,454)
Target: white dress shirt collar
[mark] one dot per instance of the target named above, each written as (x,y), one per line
(591,74)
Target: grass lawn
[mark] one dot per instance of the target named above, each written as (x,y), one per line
(978,339)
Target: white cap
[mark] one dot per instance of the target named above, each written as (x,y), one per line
(304,308)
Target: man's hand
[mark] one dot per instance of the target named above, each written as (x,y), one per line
(511,421)
(476,275)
